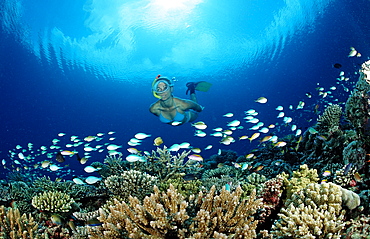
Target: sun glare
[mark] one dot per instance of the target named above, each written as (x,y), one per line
(173,4)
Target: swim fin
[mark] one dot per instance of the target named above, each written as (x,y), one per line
(203,86)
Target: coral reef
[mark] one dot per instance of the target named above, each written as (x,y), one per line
(53,201)
(314,212)
(130,183)
(299,180)
(13,225)
(167,214)
(328,122)
(162,164)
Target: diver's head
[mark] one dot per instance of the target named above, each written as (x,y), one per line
(162,87)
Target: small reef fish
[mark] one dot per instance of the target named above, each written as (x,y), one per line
(61,134)
(92,179)
(300,105)
(142,135)
(67,153)
(134,158)
(185,145)
(91,169)
(280,108)
(243,137)
(312,130)
(158,141)
(218,129)
(77,181)
(56,219)
(196,150)
(234,123)
(113,147)
(248,156)
(208,147)
(287,120)
(227,140)
(326,173)
(280,115)
(264,130)
(195,157)
(54,167)
(280,144)
(199,125)
(254,136)
(261,100)
(200,133)
(266,138)
(90,138)
(251,111)
(59,157)
(217,134)
(174,148)
(353,52)
(133,151)
(228,115)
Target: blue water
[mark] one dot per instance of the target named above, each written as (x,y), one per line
(86,67)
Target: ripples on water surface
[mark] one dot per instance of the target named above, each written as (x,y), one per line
(136,39)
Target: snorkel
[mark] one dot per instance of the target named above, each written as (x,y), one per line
(157,80)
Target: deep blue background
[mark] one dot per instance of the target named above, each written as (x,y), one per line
(38,100)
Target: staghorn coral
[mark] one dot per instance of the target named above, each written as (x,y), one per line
(314,212)
(162,164)
(168,214)
(328,122)
(358,228)
(53,201)
(14,226)
(132,182)
(113,164)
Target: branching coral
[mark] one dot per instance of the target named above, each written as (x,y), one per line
(300,179)
(169,215)
(162,164)
(314,212)
(328,122)
(132,182)
(53,201)
(14,226)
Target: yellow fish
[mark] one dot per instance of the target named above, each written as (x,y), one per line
(261,100)
(158,141)
(254,136)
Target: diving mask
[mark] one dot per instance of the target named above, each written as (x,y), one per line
(160,85)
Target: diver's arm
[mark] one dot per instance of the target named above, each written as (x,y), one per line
(191,105)
(154,110)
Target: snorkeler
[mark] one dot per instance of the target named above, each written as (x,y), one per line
(173,110)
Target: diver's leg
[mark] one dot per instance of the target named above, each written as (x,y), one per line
(193,97)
